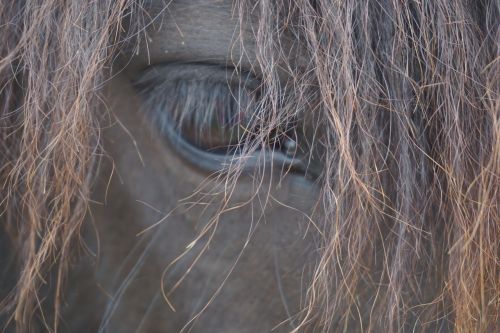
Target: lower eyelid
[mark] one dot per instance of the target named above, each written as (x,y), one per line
(247,163)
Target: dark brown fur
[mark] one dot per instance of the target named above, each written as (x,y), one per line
(406,92)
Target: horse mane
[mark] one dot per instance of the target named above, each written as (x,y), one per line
(407,95)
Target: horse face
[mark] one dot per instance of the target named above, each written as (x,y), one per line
(174,247)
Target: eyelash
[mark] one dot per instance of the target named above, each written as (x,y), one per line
(205,110)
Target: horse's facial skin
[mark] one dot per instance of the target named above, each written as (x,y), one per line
(143,216)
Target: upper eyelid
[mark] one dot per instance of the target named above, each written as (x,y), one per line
(165,73)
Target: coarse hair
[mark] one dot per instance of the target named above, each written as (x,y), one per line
(405,95)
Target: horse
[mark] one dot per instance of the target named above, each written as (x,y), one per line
(249,166)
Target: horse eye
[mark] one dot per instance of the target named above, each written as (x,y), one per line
(208,113)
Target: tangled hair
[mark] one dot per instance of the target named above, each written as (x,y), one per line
(53,58)
(407,95)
